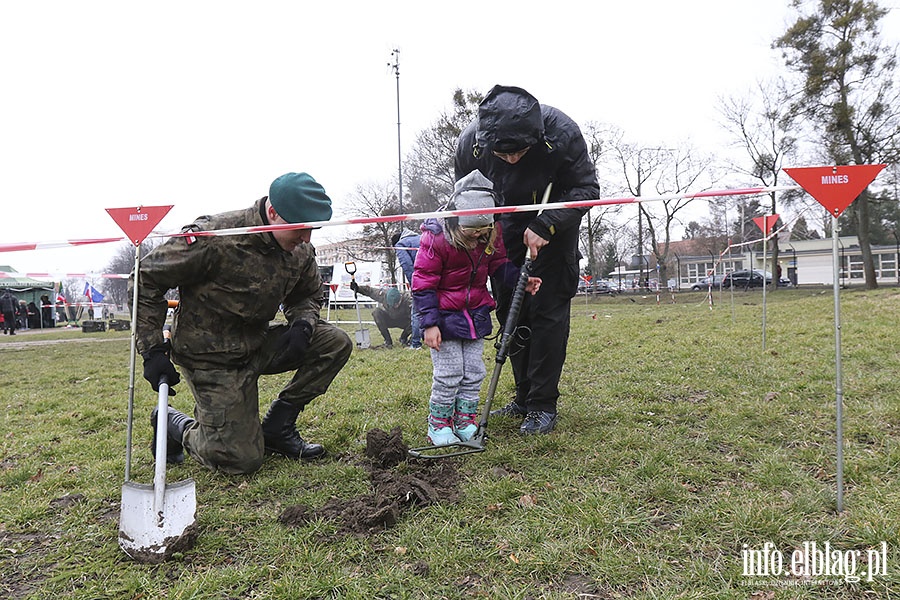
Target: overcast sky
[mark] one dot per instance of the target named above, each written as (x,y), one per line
(200,104)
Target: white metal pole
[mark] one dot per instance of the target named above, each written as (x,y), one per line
(839,388)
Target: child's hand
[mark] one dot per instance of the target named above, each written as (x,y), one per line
(533,285)
(433,337)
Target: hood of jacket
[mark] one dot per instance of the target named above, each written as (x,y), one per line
(509,116)
(433,225)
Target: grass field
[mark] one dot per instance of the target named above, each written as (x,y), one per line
(683,449)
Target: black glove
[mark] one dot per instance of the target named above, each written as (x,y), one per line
(157,364)
(295,341)
(354,286)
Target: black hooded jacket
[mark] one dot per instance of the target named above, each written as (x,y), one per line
(558,154)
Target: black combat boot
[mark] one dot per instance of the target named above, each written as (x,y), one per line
(280,433)
(177,423)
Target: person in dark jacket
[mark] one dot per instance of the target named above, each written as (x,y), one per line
(532,151)
(9,305)
(230,288)
(406,244)
(34,316)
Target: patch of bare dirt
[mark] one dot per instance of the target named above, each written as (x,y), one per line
(398,485)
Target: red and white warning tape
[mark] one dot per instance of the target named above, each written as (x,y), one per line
(751,191)
(57,276)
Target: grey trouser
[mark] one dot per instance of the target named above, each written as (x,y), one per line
(227,435)
(458,371)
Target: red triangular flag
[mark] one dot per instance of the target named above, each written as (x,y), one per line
(835,188)
(138,222)
(766,222)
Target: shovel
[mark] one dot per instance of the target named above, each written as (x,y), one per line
(155,521)
(477,442)
(362,334)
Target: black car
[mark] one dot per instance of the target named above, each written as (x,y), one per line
(749,279)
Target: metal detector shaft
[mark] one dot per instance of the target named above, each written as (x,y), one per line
(477,442)
(131,363)
(509,329)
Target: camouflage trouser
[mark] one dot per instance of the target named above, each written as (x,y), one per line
(384,320)
(227,435)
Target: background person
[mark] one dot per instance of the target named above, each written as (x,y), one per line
(450,290)
(393,311)
(230,288)
(524,147)
(9,305)
(46,312)
(34,319)
(406,243)
(22,315)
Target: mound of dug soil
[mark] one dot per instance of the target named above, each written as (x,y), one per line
(397,485)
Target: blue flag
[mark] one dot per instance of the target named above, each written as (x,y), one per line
(92,293)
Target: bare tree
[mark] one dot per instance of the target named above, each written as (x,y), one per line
(430,163)
(377,200)
(122,262)
(669,171)
(760,123)
(601,140)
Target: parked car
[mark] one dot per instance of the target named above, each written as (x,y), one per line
(747,279)
(703,284)
(599,286)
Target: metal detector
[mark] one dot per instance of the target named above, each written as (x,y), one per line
(477,442)
(362,334)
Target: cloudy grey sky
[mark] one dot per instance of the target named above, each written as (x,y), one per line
(200,104)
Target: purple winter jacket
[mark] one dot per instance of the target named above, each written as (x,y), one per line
(450,285)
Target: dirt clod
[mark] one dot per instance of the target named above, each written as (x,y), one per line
(397,486)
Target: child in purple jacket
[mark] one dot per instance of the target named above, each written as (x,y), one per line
(450,296)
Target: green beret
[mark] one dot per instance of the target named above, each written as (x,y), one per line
(392,297)
(298,198)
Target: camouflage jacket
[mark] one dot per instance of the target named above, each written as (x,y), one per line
(230,288)
(397,313)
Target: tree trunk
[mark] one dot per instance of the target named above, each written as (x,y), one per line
(865,247)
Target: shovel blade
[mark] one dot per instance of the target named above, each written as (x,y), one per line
(153,536)
(362,339)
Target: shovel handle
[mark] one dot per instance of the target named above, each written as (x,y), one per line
(162,436)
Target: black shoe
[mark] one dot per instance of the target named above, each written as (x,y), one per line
(177,423)
(280,433)
(512,410)
(538,421)
(294,447)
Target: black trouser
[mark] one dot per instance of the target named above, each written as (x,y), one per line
(9,321)
(538,352)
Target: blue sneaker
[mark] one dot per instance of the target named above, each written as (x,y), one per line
(440,432)
(465,419)
(538,421)
(512,410)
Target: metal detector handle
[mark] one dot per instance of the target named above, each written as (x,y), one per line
(512,315)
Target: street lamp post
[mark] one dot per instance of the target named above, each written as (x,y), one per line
(396,66)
